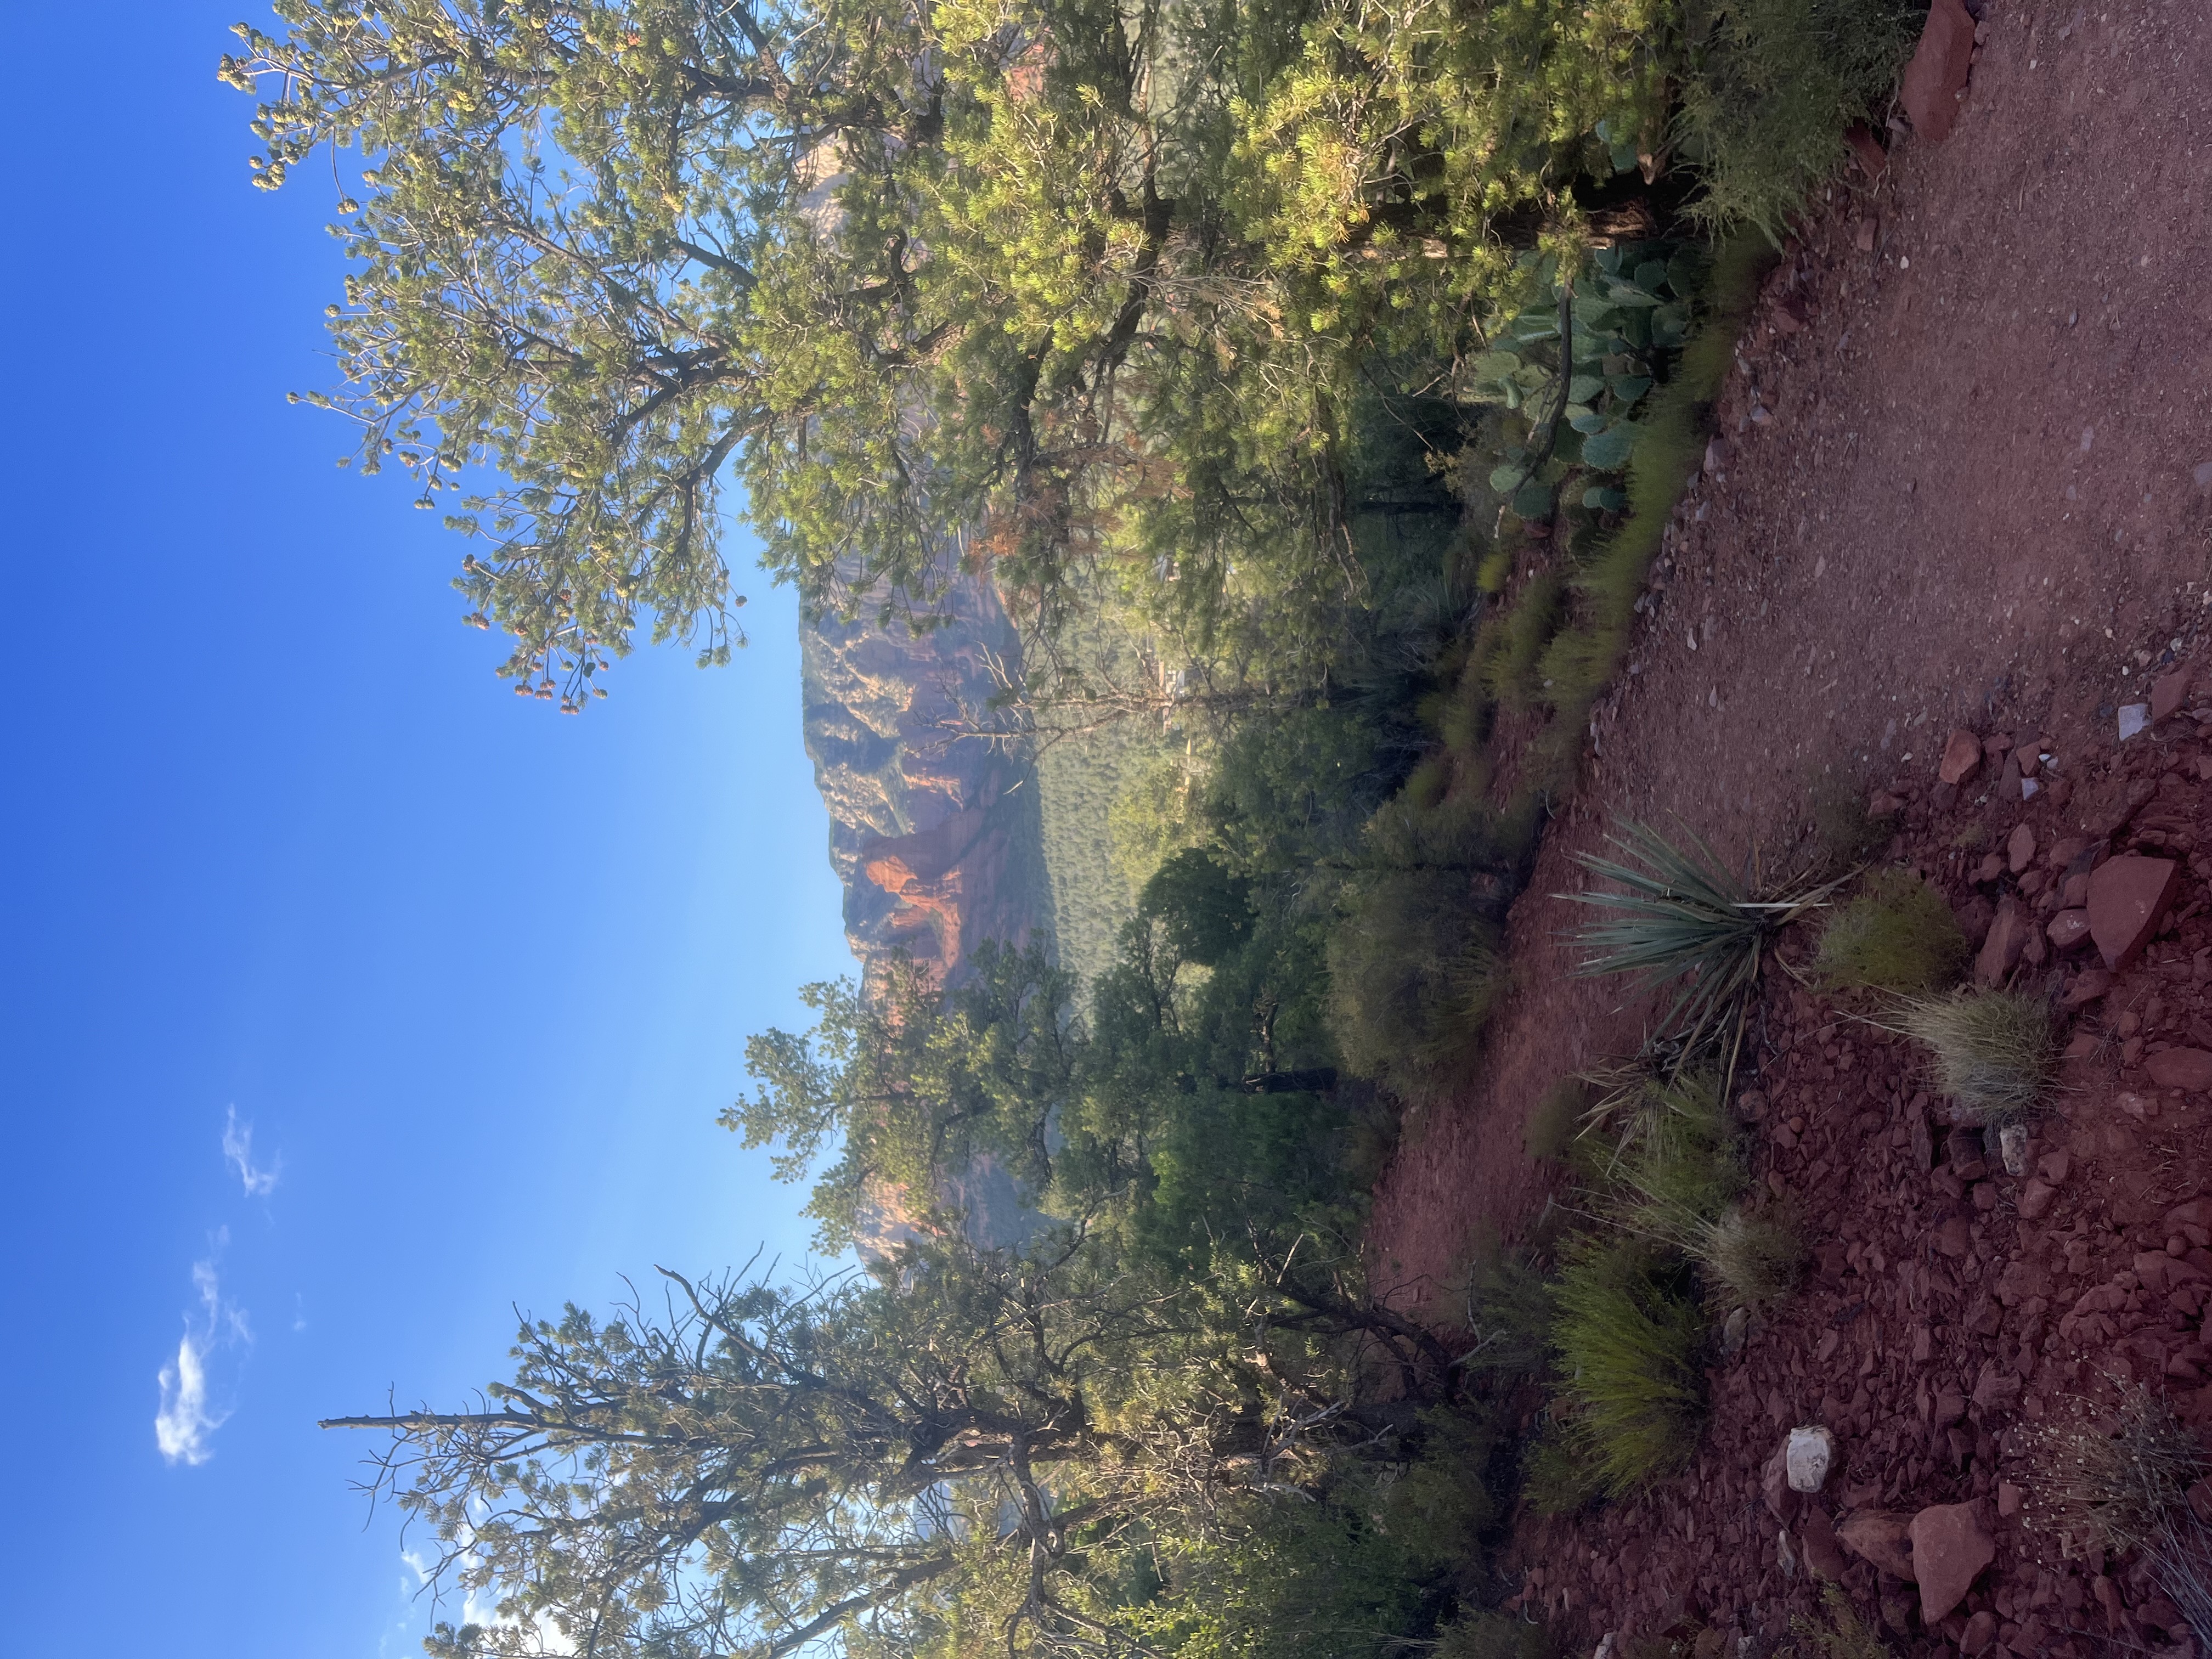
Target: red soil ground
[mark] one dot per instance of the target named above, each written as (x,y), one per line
(1964,479)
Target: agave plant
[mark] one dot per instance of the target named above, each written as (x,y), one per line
(1682,917)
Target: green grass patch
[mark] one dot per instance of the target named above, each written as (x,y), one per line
(1628,1334)
(1898,935)
(1551,1125)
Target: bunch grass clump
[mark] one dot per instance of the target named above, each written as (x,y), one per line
(2122,1485)
(1752,1258)
(1995,1050)
(1897,935)
(1628,1336)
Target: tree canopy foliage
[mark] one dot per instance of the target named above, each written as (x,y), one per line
(1074,285)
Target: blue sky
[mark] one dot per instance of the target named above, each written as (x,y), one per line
(283,860)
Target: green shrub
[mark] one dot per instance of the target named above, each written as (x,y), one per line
(1557,1477)
(1509,1314)
(1770,86)
(1994,1050)
(1484,1635)
(1203,908)
(1844,833)
(1897,935)
(1412,968)
(1627,1334)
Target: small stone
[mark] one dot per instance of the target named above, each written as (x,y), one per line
(1867,151)
(1807,1456)
(2010,1499)
(2055,1165)
(2181,1068)
(1980,1634)
(1715,454)
(1962,750)
(1733,1329)
(1936,79)
(1774,1485)
(2086,987)
(2019,848)
(1949,1549)
(2036,1199)
(2167,693)
(1862,235)
(2068,929)
(1823,1555)
(1785,1557)
(1992,866)
(2012,1147)
(2002,951)
(2135,717)
(1881,1537)
(2062,853)
(2128,899)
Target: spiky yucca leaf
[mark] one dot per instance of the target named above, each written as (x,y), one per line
(1682,915)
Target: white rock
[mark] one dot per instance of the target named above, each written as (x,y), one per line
(1607,1645)
(1806,1458)
(2012,1146)
(2134,717)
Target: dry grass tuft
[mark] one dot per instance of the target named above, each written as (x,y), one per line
(1995,1051)
(2122,1483)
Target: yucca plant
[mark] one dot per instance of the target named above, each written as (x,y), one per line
(1681,916)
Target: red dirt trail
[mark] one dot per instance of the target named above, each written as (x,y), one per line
(1971,487)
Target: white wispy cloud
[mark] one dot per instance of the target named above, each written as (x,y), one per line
(183,1426)
(238,1152)
(186,1421)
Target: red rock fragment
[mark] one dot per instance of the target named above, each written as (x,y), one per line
(2181,1068)
(1822,1553)
(2086,987)
(2128,899)
(1949,1549)
(1936,79)
(2064,853)
(1962,750)
(2167,693)
(2036,1198)
(2007,940)
(1980,1634)
(1774,1485)
(2020,849)
(1867,151)
(2068,929)
(1881,1537)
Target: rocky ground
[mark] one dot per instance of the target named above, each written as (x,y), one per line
(1954,1302)
(1963,479)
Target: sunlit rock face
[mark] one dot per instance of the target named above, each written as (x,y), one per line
(934,834)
